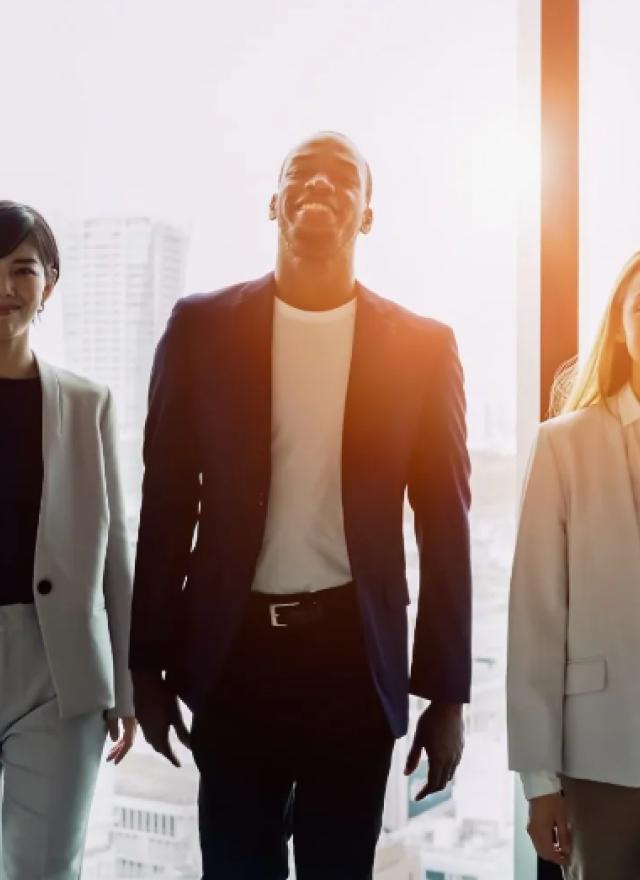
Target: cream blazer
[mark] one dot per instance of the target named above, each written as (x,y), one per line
(573,670)
(82,570)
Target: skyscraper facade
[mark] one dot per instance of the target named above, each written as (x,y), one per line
(121,278)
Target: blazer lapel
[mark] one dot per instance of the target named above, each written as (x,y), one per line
(371,394)
(51,404)
(52,453)
(618,484)
(249,379)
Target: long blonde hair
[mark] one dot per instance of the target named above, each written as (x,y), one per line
(609,364)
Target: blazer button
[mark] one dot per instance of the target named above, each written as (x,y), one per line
(45,587)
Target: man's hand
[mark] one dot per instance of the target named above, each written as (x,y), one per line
(549,829)
(157,711)
(440,732)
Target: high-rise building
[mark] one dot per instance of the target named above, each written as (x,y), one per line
(121,277)
(156,819)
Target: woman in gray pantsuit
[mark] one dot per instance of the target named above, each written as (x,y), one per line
(573,699)
(65,578)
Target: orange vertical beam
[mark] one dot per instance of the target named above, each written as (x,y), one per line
(559,206)
(559,244)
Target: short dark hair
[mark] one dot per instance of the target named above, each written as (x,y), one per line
(19,223)
(339,134)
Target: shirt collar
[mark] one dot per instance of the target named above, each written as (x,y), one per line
(628,405)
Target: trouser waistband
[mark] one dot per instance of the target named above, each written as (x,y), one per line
(296,609)
(17,614)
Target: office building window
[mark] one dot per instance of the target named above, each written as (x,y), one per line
(428,91)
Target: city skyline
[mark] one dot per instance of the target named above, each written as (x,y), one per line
(121,279)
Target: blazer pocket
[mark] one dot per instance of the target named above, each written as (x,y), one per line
(585,676)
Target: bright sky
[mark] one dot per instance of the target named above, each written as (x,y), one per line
(184,111)
(609,143)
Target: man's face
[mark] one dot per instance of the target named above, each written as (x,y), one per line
(321,204)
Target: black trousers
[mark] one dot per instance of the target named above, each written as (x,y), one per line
(548,870)
(294,742)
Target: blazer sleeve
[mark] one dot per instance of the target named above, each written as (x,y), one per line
(537,619)
(540,783)
(438,491)
(117,571)
(170,498)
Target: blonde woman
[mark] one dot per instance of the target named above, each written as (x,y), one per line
(64,577)
(574,625)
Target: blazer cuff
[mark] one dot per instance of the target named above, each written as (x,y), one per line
(124,706)
(123,711)
(539,783)
(438,694)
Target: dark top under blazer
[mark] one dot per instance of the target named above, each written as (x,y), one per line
(21,471)
(207,453)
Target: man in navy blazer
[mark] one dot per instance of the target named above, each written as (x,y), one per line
(287,417)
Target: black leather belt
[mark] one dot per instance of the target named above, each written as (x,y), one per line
(285,610)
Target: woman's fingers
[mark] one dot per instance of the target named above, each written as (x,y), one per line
(129,728)
(549,828)
(564,833)
(113,728)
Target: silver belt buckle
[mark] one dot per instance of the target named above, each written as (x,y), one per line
(273,611)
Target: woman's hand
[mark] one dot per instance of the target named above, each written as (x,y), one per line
(549,829)
(124,741)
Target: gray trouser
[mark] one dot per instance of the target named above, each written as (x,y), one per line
(49,765)
(605,827)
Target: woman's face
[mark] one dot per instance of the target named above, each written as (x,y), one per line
(23,289)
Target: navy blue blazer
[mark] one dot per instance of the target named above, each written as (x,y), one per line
(207,455)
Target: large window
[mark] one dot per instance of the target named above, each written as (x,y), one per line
(609,131)
(151,135)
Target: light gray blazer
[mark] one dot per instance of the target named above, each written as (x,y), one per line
(573,672)
(81,548)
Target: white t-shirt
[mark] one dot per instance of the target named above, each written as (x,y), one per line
(304,547)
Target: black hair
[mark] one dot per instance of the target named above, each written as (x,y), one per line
(19,223)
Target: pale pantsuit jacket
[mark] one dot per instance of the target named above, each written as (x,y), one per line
(573,693)
(82,570)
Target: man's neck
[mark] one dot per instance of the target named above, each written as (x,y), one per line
(314,285)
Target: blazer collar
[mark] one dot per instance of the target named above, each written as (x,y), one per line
(628,405)
(258,295)
(52,410)
(373,324)
(374,329)
(370,389)
(374,321)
